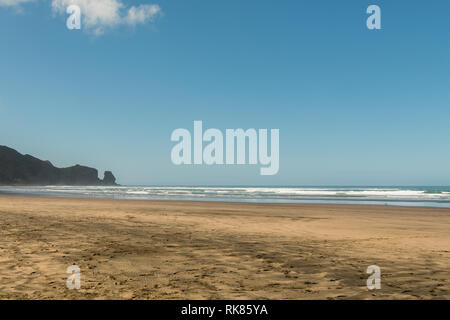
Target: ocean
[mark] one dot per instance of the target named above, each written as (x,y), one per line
(401,196)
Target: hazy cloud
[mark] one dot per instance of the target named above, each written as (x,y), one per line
(99,15)
(142,14)
(13,3)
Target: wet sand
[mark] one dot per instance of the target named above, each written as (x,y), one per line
(213,250)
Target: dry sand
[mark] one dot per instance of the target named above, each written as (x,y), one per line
(200,250)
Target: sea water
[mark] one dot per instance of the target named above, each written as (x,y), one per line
(404,196)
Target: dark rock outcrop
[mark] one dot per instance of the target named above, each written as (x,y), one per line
(109,178)
(19,169)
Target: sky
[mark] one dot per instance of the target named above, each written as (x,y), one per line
(354,106)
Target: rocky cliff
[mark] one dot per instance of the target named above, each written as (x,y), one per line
(19,169)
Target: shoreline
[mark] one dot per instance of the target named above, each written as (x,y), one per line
(327,202)
(165,249)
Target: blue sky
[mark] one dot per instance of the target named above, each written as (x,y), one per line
(354,106)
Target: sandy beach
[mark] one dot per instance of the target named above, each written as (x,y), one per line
(215,250)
